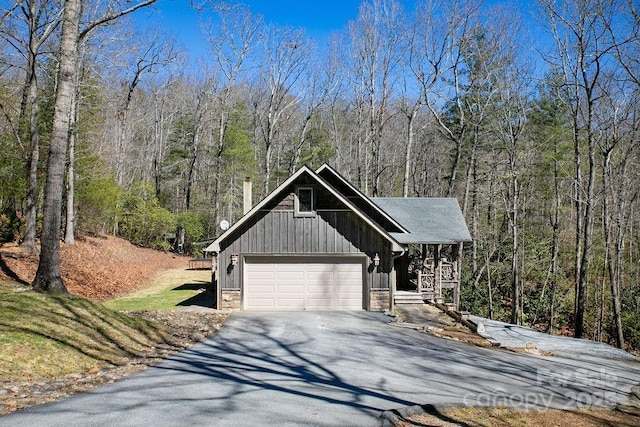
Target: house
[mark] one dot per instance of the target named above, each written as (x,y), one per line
(318,243)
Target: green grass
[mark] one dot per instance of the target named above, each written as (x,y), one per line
(166,300)
(46,336)
(165,293)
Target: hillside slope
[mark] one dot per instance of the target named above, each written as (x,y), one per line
(99,268)
(53,346)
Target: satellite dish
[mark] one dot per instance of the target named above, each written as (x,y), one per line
(224,224)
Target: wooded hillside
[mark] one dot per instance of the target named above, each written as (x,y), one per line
(98,268)
(531,122)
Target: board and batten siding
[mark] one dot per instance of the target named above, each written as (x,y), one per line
(329,232)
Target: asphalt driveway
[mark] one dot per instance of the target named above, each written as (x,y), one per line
(331,369)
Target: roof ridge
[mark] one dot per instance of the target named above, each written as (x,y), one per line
(215,245)
(369,200)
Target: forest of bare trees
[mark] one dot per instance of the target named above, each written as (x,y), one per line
(530,120)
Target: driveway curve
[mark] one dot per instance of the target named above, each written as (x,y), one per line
(509,335)
(330,369)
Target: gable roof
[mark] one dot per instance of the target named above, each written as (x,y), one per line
(359,199)
(215,246)
(428,220)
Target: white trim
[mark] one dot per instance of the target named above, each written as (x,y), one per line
(215,246)
(317,210)
(362,196)
(296,201)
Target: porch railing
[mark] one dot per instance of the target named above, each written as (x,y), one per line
(434,277)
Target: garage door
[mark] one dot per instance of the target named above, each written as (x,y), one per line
(302,284)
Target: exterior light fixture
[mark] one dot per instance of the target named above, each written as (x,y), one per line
(376,259)
(234,258)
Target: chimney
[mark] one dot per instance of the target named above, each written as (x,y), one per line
(247,203)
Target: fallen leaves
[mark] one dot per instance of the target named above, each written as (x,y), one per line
(99,268)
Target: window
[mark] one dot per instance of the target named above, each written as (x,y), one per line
(304,205)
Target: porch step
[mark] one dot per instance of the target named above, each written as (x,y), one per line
(408,298)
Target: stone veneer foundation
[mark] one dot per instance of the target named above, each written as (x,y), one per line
(230,299)
(379,299)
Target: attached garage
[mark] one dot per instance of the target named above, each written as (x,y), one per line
(306,246)
(317,243)
(303,283)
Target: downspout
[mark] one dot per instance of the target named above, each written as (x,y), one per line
(394,277)
(215,274)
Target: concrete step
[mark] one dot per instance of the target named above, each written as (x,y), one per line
(408,298)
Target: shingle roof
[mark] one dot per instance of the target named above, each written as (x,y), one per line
(428,220)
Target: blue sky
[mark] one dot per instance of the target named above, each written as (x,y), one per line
(318,17)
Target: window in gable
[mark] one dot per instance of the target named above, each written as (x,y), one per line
(305,202)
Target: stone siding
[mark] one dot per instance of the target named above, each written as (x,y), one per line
(230,300)
(379,299)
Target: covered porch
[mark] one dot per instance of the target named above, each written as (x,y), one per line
(434,232)
(429,273)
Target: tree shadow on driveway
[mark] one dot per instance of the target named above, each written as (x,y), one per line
(333,369)
(378,367)
(260,361)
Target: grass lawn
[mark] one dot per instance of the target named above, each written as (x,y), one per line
(167,291)
(46,336)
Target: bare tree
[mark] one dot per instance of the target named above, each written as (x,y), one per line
(427,53)
(583,45)
(286,52)
(322,79)
(164,107)
(41,19)
(69,230)
(410,110)
(616,129)
(199,122)
(513,106)
(446,40)
(48,276)
(377,41)
(232,44)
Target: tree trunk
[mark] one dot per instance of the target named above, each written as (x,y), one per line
(30,101)
(515,302)
(302,138)
(454,168)
(29,241)
(48,276)
(218,169)
(35,16)
(489,289)
(411,117)
(586,225)
(554,245)
(267,167)
(191,171)
(611,264)
(70,219)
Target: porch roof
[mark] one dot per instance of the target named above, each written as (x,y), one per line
(428,220)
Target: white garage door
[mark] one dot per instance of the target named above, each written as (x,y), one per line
(302,284)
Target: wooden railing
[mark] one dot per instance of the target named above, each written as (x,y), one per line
(434,277)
